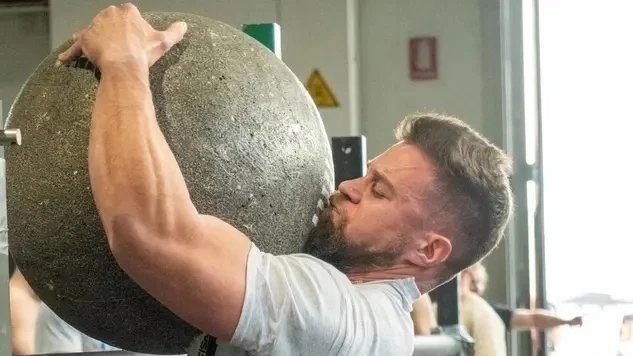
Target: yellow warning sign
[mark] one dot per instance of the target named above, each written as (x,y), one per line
(320,91)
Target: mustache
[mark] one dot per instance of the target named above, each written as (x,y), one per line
(336,198)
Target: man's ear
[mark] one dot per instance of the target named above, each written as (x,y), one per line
(431,249)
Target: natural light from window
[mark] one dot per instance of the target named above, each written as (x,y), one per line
(587,113)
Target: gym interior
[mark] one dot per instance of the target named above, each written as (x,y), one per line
(542,80)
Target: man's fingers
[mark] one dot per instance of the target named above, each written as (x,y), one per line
(74,50)
(71,53)
(173,34)
(167,39)
(77,35)
(129,6)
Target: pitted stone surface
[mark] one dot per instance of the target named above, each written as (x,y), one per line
(249,141)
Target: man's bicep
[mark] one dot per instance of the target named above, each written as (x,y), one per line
(216,277)
(199,275)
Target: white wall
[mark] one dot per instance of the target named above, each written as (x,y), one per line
(313,35)
(387,94)
(23,44)
(320,35)
(68,16)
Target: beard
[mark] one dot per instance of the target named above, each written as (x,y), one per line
(327,241)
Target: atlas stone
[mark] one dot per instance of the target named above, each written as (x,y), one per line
(249,141)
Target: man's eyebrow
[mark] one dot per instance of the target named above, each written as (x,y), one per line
(381,176)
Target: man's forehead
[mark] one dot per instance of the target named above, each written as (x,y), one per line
(401,156)
(392,168)
(406,167)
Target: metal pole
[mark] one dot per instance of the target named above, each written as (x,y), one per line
(5,315)
(447,298)
(541,291)
(436,345)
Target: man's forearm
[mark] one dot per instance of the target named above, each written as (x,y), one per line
(24,310)
(545,320)
(523,319)
(25,306)
(133,173)
(139,190)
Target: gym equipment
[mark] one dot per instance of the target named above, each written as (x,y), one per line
(5,271)
(10,137)
(450,338)
(247,136)
(268,34)
(350,158)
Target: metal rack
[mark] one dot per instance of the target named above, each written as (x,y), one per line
(7,137)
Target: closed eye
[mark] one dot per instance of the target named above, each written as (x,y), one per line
(376,192)
(386,187)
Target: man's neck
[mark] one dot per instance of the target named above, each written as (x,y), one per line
(423,280)
(391,273)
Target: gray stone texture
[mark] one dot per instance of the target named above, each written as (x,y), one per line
(249,141)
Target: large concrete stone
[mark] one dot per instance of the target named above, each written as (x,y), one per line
(248,139)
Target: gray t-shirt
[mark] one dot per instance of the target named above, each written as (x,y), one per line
(299,305)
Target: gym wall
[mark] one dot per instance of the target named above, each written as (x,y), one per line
(359,46)
(24,42)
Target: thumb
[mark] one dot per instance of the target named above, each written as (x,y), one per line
(165,40)
(174,34)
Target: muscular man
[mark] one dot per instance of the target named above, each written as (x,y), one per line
(432,204)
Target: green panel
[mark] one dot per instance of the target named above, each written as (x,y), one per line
(268,34)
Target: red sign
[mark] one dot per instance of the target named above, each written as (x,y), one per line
(423,58)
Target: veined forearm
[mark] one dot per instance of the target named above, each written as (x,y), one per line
(133,173)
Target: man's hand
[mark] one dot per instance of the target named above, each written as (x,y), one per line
(577,321)
(120,35)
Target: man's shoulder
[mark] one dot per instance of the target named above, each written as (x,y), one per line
(302,265)
(303,258)
(299,304)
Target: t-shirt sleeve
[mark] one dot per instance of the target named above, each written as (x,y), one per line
(292,300)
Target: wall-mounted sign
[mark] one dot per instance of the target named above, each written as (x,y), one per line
(423,58)
(320,91)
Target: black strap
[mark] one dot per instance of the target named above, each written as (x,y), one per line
(207,346)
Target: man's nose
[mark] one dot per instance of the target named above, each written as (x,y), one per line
(351,189)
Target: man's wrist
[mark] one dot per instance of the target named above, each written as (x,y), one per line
(124,67)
